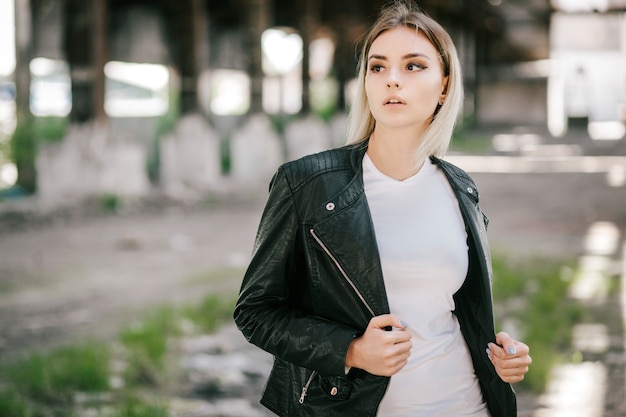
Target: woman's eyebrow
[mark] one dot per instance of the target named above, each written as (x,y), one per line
(380,57)
(416,55)
(407,56)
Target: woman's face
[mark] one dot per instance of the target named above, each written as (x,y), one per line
(404,79)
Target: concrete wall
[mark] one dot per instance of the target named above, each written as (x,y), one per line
(512,102)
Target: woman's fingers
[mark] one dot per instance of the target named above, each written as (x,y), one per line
(385,321)
(381,351)
(510,357)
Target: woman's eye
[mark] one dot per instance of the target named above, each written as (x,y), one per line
(415,67)
(376,68)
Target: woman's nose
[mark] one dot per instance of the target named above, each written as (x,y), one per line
(393,81)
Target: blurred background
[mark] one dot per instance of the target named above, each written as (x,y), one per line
(131,76)
(137,139)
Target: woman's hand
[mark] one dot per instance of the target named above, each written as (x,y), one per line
(510,358)
(379,351)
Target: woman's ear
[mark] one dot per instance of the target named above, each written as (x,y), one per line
(444,86)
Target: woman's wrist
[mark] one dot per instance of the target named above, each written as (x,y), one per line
(351,354)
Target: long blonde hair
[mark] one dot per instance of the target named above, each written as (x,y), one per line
(406,13)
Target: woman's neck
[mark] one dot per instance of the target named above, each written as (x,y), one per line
(396,154)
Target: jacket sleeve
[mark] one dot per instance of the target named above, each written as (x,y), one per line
(265,313)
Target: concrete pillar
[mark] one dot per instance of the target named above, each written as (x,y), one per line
(191,26)
(258,13)
(86,49)
(100,56)
(23,140)
(23,52)
(309,23)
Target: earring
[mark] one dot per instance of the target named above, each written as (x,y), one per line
(441,102)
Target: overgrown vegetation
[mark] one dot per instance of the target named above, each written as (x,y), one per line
(53,378)
(323,97)
(24,141)
(110,203)
(48,384)
(468,142)
(210,312)
(165,125)
(50,129)
(146,346)
(136,407)
(530,300)
(531,295)
(23,148)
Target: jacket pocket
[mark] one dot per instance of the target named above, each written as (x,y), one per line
(336,388)
(305,388)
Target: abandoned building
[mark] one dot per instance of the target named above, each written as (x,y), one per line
(191,96)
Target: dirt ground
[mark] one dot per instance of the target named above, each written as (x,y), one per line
(82,273)
(86,274)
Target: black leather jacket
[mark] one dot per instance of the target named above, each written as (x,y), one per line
(315,281)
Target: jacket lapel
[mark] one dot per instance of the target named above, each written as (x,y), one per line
(475,223)
(348,233)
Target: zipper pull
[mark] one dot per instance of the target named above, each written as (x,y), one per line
(303,394)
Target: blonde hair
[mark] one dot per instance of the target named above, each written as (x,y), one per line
(405,13)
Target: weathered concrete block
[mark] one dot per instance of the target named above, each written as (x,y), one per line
(256,152)
(88,162)
(338,129)
(190,159)
(521,102)
(307,136)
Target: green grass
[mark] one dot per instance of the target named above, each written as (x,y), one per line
(55,376)
(46,384)
(12,404)
(470,143)
(147,344)
(110,203)
(51,129)
(211,312)
(135,407)
(213,275)
(532,293)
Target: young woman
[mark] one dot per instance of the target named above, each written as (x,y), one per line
(370,280)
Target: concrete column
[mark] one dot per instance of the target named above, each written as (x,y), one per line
(309,22)
(23,141)
(23,54)
(192,54)
(86,49)
(100,57)
(258,21)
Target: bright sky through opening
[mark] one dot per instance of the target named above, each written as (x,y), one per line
(7,37)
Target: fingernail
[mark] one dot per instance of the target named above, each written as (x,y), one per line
(511,350)
(403,323)
(488,352)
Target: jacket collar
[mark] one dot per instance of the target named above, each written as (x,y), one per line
(356,157)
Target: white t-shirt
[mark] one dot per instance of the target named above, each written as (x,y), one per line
(423,249)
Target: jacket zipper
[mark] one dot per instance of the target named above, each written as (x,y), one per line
(305,388)
(343,273)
